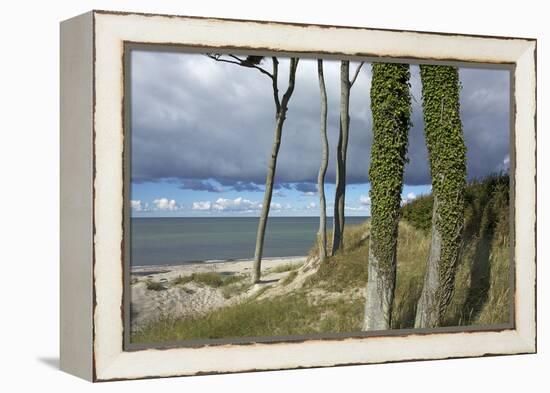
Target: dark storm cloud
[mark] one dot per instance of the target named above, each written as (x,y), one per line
(241,185)
(199,185)
(282,186)
(306,187)
(195,119)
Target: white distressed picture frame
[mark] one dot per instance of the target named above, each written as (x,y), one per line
(92,193)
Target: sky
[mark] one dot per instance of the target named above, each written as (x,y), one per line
(202,133)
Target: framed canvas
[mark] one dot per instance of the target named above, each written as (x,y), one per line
(244,195)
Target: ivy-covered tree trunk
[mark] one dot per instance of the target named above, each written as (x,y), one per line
(447,156)
(341,156)
(281,109)
(391,110)
(322,235)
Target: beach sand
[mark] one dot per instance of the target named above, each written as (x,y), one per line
(195,298)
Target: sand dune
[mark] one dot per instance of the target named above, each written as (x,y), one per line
(194,298)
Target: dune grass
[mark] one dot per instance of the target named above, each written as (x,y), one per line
(211,279)
(348,268)
(289,278)
(155,286)
(235,286)
(482,286)
(280,316)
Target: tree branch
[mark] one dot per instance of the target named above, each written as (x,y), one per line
(276,84)
(356,74)
(215,57)
(291,82)
(238,61)
(273,75)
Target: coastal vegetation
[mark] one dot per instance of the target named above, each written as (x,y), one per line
(329,297)
(212,279)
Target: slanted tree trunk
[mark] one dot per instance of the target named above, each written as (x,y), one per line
(281,109)
(322,235)
(338,222)
(391,109)
(447,156)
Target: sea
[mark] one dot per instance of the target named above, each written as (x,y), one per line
(172,241)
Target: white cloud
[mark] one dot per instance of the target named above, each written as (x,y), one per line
(205,205)
(364,200)
(308,193)
(411,196)
(165,204)
(311,205)
(136,205)
(505,165)
(237,204)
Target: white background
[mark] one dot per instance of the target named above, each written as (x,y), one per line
(29,196)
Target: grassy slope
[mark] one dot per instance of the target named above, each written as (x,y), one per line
(331,301)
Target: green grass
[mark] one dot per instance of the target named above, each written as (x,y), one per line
(482,286)
(181,280)
(236,287)
(212,279)
(347,268)
(280,316)
(482,292)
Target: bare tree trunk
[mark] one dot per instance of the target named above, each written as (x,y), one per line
(280,119)
(427,310)
(380,293)
(323,168)
(341,155)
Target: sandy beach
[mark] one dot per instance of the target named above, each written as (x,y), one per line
(169,290)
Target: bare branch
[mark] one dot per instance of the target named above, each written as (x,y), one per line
(291,82)
(356,73)
(218,58)
(276,84)
(236,58)
(238,61)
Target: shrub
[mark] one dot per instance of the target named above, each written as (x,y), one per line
(155,286)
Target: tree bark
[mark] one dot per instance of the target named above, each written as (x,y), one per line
(341,156)
(391,108)
(281,109)
(447,155)
(427,310)
(322,235)
(379,297)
